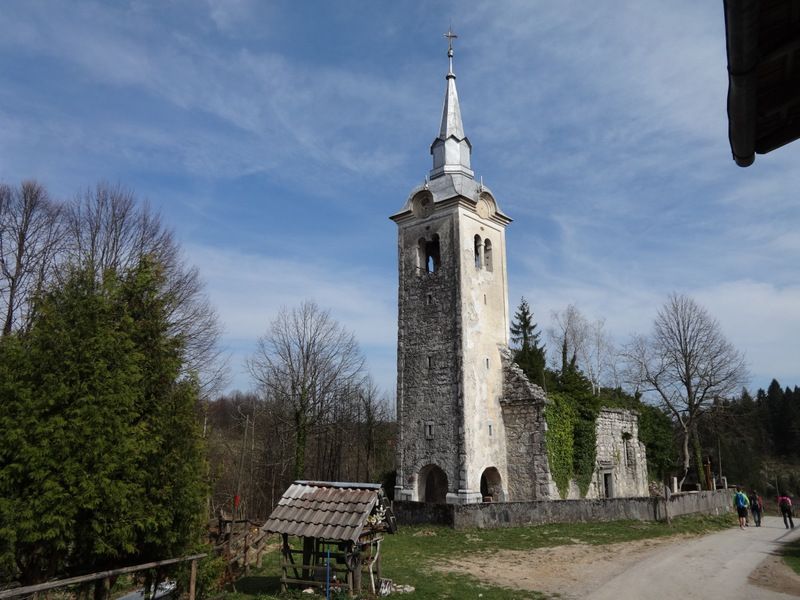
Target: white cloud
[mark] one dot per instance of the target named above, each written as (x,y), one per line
(249,291)
(761,319)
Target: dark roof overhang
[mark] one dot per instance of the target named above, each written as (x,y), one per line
(763,46)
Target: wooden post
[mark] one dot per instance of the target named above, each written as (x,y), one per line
(193,580)
(357,566)
(285,561)
(378,573)
(246,551)
(308,553)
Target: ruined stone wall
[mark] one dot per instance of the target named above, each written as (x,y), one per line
(429,405)
(620,454)
(525,428)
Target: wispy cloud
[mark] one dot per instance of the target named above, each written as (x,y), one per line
(251,289)
(276,138)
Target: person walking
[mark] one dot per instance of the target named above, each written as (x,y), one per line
(756,507)
(785,504)
(740,502)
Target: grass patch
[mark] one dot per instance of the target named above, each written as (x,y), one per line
(410,556)
(791,555)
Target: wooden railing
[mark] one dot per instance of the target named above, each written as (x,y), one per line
(42,587)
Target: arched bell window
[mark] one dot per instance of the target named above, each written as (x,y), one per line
(427,255)
(487,255)
(432,258)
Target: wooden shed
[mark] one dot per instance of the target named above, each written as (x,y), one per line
(341,528)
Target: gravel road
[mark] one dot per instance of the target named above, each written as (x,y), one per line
(712,567)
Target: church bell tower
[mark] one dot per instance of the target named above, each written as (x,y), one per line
(452,326)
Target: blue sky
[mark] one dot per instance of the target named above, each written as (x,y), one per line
(277,137)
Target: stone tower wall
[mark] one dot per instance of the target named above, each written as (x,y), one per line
(429,392)
(484,322)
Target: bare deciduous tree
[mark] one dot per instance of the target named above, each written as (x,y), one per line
(108,229)
(30,238)
(596,354)
(686,364)
(306,361)
(584,344)
(568,334)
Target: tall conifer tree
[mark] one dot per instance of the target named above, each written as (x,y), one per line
(101,461)
(528,354)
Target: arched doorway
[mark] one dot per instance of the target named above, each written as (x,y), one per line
(492,485)
(432,484)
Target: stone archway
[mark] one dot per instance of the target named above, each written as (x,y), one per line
(492,486)
(432,485)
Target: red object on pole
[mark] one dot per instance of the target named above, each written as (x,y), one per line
(236,499)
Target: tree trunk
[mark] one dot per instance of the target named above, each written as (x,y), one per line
(698,456)
(300,436)
(686,457)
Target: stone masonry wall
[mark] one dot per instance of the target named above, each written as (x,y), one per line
(620,453)
(513,514)
(428,357)
(525,426)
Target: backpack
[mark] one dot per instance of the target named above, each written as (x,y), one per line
(784,505)
(740,501)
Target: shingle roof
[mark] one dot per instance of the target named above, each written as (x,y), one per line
(324,509)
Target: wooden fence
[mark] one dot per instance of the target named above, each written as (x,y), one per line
(50,585)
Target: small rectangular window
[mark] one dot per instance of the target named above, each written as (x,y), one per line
(428,430)
(490,430)
(430,362)
(487,363)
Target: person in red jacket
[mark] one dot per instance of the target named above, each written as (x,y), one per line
(785,505)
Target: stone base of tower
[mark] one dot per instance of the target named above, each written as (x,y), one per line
(403,494)
(461,497)
(464,497)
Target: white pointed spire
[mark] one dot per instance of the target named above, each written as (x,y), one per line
(451,150)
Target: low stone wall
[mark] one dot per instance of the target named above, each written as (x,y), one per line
(712,503)
(511,514)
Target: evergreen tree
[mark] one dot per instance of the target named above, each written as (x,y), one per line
(528,353)
(100,457)
(779,426)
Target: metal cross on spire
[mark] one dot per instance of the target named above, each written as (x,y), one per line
(450,37)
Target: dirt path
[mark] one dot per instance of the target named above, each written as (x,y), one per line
(729,565)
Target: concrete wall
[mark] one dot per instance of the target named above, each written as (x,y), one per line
(510,514)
